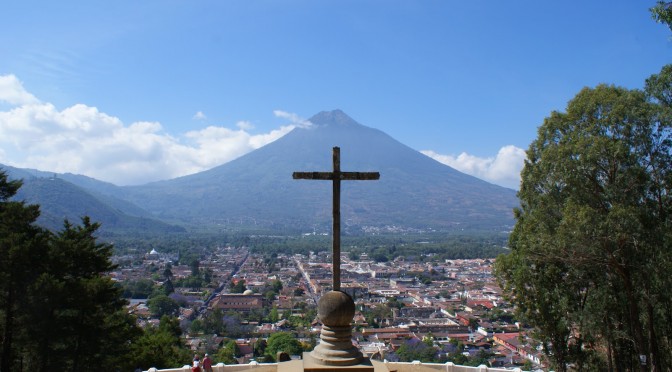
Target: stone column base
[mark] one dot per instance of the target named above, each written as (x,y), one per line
(310,364)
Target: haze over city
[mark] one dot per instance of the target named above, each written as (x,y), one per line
(132,92)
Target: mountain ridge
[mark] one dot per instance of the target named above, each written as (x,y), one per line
(60,200)
(265,174)
(256,190)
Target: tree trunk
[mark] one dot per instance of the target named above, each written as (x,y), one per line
(635,325)
(656,361)
(7,346)
(610,365)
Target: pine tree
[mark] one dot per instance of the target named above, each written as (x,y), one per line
(22,246)
(74,303)
(58,308)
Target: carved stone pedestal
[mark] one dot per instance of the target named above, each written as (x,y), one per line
(336,348)
(335,352)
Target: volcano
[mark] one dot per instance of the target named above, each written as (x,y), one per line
(257,189)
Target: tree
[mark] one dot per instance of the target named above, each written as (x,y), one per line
(76,302)
(231,325)
(481,358)
(168,287)
(170,324)
(658,87)
(415,349)
(161,305)
(310,344)
(429,339)
(141,288)
(196,327)
(66,300)
(662,13)
(274,315)
(207,276)
(20,243)
(168,272)
(259,347)
(237,286)
(233,346)
(159,348)
(121,333)
(213,322)
(277,286)
(269,296)
(456,348)
(282,342)
(473,323)
(225,355)
(195,267)
(589,262)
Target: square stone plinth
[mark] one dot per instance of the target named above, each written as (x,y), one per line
(309,364)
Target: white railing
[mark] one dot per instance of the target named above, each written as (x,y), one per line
(392,366)
(447,367)
(221,367)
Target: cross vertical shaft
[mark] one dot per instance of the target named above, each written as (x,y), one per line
(336,221)
(336,176)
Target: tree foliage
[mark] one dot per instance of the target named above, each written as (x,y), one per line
(415,349)
(590,262)
(233,346)
(163,305)
(237,286)
(160,347)
(65,301)
(79,301)
(282,342)
(225,355)
(662,13)
(141,288)
(20,243)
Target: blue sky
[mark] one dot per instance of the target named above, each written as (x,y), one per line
(135,91)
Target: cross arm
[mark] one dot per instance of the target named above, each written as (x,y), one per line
(341,175)
(313,175)
(363,176)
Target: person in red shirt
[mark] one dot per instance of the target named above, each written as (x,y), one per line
(207,363)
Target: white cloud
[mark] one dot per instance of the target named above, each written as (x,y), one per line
(12,91)
(295,119)
(81,139)
(199,116)
(504,169)
(244,125)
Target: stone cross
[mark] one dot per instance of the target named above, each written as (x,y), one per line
(336,176)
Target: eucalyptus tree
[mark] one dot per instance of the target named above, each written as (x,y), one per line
(590,257)
(662,13)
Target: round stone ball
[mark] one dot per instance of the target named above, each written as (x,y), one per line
(336,308)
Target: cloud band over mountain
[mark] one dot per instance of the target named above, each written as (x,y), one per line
(83,140)
(503,169)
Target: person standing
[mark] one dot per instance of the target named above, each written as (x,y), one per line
(207,363)
(196,367)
